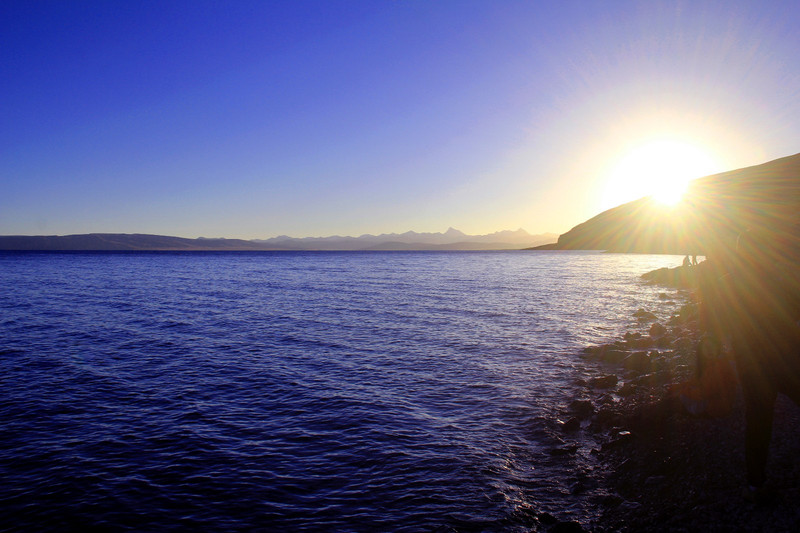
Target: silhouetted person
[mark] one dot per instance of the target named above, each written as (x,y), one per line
(694,260)
(686,261)
(751,303)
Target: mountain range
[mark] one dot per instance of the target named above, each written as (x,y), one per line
(715,210)
(452,239)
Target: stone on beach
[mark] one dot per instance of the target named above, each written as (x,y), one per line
(657,330)
(582,408)
(572,425)
(638,361)
(644,316)
(673,465)
(609,353)
(604,382)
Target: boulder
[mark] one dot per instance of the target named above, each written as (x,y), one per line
(567,527)
(665,341)
(644,316)
(621,438)
(654,481)
(607,417)
(604,382)
(684,343)
(610,353)
(614,356)
(638,362)
(657,330)
(611,500)
(641,343)
(569,449)
(572,425)
(546,518)
(581,408)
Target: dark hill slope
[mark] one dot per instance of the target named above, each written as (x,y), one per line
(641,226)
(764,197)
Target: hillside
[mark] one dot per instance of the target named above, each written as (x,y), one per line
(716,208)
(764,198)
(641,226)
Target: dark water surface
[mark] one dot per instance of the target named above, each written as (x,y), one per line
(296,391)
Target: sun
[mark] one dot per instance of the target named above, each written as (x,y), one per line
(661,169)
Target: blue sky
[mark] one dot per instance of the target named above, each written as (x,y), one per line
(255,119)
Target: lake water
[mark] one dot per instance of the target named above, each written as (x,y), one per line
(378,391)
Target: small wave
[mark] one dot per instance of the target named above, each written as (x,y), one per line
(354,392)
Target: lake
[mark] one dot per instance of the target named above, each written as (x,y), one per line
(308,391)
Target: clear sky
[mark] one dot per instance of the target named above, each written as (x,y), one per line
(255,119)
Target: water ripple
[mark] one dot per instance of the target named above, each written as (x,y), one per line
(330,391)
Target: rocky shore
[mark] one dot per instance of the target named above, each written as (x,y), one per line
(656,466)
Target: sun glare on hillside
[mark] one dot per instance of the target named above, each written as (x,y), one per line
(660,169)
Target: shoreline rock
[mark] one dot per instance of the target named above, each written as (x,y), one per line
(659,468)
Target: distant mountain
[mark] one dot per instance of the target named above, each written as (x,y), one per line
(716,208)
(452,239)
(121,242)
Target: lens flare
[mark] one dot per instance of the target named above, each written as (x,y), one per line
(661,169)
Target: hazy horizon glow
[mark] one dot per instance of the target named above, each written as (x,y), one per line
(256,119)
